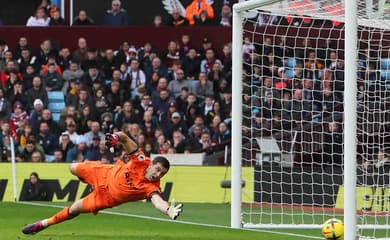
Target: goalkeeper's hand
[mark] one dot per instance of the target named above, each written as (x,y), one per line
(112,140)
(174,211)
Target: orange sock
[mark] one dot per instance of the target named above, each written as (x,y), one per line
(61,216)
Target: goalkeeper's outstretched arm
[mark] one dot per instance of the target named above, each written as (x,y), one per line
(169,209)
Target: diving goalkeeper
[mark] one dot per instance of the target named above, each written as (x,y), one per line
(126,181)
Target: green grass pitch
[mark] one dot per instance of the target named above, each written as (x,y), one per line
(198,221)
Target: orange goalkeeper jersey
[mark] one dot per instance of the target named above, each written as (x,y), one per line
(127,182)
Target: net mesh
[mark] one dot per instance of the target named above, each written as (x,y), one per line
(293,90)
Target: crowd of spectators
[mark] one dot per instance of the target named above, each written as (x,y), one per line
(294,91)
(176,100)
(198,12)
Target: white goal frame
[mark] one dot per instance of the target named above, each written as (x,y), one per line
(350,117)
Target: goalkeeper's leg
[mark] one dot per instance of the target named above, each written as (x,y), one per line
(65,214)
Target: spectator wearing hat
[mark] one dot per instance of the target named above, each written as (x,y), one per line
(116,16)
(176,85)
(75,86)
(36,115)
(93,151)
(94,132)
(92,75)
(5,107)
(176,123)
(165,117)
(206,44)
(36,92)
(72,72)
(196,9)
(18,116)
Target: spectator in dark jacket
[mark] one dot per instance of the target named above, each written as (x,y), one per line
(117,16)
(57,20)
(34,190)
(48,140)
(82,19)
(37,91)
(5,107)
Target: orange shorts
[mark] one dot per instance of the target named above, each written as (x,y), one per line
(95,174)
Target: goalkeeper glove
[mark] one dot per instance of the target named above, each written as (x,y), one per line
(174,211)
(111,141)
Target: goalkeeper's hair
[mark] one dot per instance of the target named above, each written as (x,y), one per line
(164,162)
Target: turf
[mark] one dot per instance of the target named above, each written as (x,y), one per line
(109,226)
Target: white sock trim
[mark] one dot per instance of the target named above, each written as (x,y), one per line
(44,223)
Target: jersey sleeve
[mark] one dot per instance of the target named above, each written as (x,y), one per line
(138,155)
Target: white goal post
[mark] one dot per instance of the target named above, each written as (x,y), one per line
(368,8)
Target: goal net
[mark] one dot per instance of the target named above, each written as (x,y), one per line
(293,122)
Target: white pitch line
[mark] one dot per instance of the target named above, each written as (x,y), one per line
(175,221)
